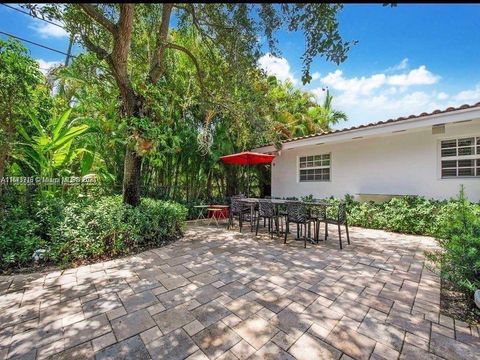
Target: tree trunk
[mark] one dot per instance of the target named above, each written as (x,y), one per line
(131,178)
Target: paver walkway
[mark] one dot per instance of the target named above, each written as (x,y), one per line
(218,294)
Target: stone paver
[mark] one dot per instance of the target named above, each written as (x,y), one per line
(132,324)
(307,347)
(218,294)
(256,331)
(217,339)
(130,349)
(175,345)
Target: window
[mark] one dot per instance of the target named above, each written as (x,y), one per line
(315,168)
(460,157)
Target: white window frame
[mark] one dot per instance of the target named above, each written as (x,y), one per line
(476,156)
(314,167)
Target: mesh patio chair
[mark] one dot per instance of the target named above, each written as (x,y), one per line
(340,220)
(266,210)
(318,214)
(297,213)
(237,208)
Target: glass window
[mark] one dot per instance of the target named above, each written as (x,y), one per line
(314,168)
(460,157)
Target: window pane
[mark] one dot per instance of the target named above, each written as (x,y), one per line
(318,163)
(466,151)
(466,171)
(449,172)
(449,143)
(303,159)
(309,158)
(466,163)
(466,142)
(449,164)
(318,157)
(449,152)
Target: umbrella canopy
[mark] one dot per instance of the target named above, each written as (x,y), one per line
(247,158)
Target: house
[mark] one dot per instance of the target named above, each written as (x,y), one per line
(430,154)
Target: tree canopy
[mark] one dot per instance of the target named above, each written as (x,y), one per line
(174,86)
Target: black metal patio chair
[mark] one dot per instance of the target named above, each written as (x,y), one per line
(318,214)
(237,208)
(297,213)
(266,210)
(340,220)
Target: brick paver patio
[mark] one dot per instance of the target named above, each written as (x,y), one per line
(218,294)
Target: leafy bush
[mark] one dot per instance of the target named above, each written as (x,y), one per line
(18,239)
(405,214)
(82,228)
(459,238)
(108,227)
(25,227)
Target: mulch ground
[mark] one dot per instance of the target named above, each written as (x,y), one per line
(457,305)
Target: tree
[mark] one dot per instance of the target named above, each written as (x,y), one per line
(19,79)
(113,31)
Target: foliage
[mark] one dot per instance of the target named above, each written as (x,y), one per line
(459,239)
(405,214)
(20,93)
(84,228)
(26,227)
(291,112)
(52,147)
(106,228)
(18,239)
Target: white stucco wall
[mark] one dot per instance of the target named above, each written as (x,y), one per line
(406,163)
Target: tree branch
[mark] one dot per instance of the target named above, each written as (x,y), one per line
(96,15)
(101,53)
(157,66)
(192,58)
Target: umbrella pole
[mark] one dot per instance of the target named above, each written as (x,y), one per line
(248,180)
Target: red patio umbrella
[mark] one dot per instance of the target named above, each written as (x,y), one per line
(247,158)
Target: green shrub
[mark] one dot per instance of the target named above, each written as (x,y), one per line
(18,241)
(107,227)
(458,233)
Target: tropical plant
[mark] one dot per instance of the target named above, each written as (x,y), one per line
(52,148)
(19,82)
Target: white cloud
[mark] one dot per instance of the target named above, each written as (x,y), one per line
(47,30)
(362,86)
(46,66)
(442,96)
(420,76)
(469,96)
(400,66)
(382,96)
(315,76)
(277,66)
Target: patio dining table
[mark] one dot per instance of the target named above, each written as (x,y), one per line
(252,202)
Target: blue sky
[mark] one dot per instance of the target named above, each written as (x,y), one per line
(409,59)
